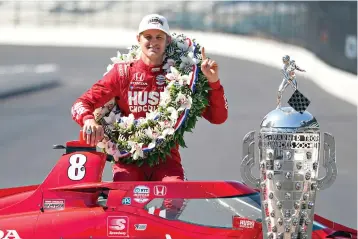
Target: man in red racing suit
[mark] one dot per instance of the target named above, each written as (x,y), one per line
(136,88)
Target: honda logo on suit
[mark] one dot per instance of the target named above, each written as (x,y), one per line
(160,190)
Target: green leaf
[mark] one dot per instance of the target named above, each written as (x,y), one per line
(182,142)
(140,163)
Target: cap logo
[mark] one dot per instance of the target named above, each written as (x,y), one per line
(155,20)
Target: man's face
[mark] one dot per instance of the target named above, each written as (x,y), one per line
(153,43)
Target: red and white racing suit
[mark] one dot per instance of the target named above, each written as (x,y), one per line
(137,88)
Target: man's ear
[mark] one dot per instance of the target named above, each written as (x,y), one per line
(169,39)
(138,38)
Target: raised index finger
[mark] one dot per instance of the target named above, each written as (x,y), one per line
(203,56)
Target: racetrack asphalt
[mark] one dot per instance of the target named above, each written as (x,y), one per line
(32,123)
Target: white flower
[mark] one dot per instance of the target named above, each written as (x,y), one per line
(137,53)
(173,75)
(184,102)
(182,45)
(152,115)
(169,64)
(127,57)
(188,61)
(170,84)
(191,48)
(173,114)
(127,122)
(117,59)
(136,149)
(109,68)
(185,79)
(164,98)
(165,124)
(168,131)
(153,135)
(142,120)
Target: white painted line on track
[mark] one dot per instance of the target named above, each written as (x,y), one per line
(28,68)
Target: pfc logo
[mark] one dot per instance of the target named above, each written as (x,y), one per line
(9,234)
(126,201)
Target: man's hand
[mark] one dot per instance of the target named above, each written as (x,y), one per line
(92,132)
(209,68)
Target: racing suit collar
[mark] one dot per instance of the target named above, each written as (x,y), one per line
(149,68)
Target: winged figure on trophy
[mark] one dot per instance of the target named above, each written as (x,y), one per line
(289,77)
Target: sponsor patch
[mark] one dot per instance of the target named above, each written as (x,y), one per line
(160,190)
(155,20)
(120,70)
(138,77)
(139,83)
(126,201)
(143,101)
(239,222)
(140,227)
(246,224)
(117,226)
(78,109)
(141,194)
(160,79)
(54,204)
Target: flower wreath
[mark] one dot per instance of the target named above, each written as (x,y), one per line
(184,98)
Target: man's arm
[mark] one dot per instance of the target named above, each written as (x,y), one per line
(99,94)
(299,69)
(217,110)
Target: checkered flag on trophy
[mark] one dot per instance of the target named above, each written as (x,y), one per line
(298,101)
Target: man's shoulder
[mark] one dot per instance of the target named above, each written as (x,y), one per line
(123,68)
(126,66)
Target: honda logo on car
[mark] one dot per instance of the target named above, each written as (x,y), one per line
(141,194)
(160,190)
(117,226)
(9,234)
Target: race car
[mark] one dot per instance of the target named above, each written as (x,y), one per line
(73,203)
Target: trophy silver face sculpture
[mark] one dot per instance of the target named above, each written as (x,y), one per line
(289,146)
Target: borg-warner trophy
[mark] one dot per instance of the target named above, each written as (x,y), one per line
(289,146)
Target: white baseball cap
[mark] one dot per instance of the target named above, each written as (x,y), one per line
(154,21)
